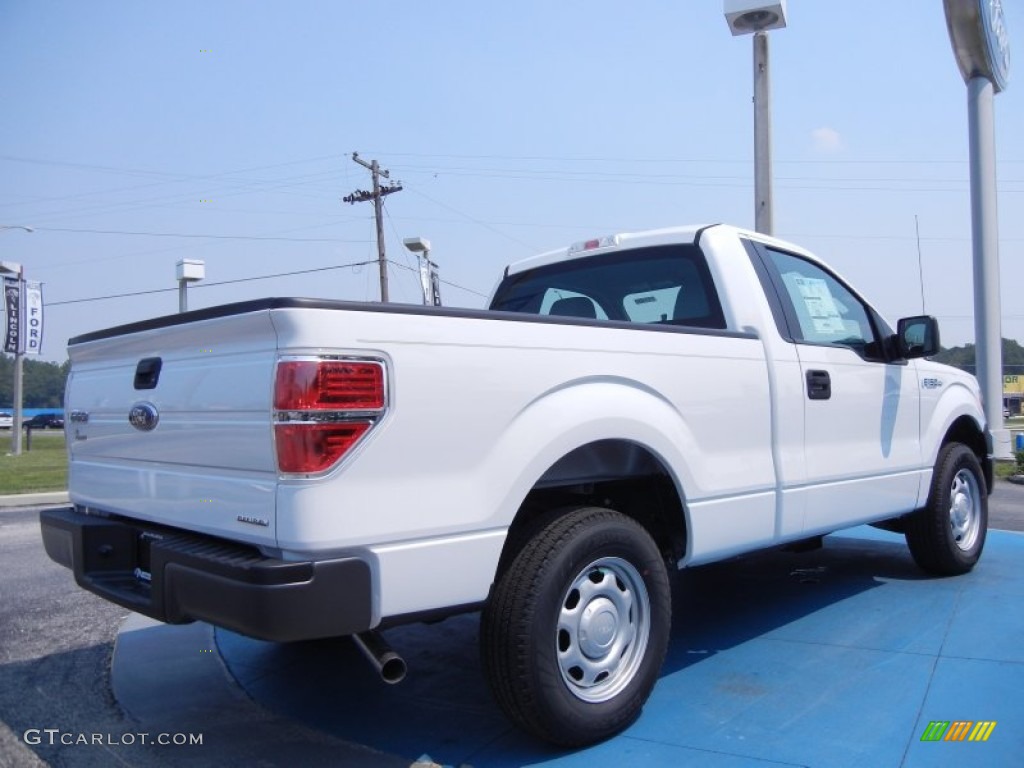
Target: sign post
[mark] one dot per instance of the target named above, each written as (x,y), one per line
(14,339)
(978,33)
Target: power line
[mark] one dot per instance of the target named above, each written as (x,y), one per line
(483,224)
(434,169)
(199,236)
(391,223)
(252,279)
(170,177)
(704,160)
(248,186)
(709,182)
(446,282)
(211,284)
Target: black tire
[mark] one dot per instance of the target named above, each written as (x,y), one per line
(947,536)
(588,593)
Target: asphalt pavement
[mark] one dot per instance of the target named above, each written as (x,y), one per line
(58,681)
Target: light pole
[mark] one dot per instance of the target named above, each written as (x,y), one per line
(977,30)
(188,271)
(12,268)
(746,17)
(421,247)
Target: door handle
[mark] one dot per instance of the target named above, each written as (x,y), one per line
(819,385)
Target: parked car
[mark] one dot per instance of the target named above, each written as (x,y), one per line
(44,421)
(6,421)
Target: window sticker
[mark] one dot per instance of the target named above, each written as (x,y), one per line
(820,304)
(652,306)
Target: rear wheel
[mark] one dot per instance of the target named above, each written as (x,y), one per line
(947,536)
(576,629)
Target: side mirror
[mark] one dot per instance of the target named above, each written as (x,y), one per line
(917,336)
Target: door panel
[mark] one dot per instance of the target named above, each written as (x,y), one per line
(861,412)
(866,430)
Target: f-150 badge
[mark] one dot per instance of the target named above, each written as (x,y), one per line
(931,383)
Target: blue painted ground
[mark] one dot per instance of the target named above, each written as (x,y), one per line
(839,657)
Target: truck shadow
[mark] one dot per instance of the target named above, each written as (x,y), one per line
(444,710)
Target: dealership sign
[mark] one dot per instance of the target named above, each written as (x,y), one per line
(981,43)
(12,308)
(33,344)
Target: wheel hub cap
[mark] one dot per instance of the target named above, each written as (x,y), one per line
(602,629)
(599,626)
(964,510)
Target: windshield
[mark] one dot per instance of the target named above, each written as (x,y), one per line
(665,284)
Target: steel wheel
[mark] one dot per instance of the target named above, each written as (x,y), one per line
(964,509)
(603,627)
(577,626)
(947,535)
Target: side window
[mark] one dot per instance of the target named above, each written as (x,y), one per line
(826,311)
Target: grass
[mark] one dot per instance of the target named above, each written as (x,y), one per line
(1004,469)
(44,468)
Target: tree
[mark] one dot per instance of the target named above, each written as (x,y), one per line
(42,383)
(964,357)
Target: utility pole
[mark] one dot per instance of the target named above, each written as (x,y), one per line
(361,196)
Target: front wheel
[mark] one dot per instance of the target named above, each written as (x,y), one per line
(577,626)
(947,536)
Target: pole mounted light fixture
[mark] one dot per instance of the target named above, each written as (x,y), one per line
(749,17)
(421,247)
(188,271)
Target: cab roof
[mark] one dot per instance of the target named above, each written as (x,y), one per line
(688,235)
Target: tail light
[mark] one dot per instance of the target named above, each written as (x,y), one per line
(322,408)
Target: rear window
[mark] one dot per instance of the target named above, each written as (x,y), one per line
(665,284)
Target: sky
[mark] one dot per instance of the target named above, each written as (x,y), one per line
(133,135)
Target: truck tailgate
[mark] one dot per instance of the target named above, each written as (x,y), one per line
(166,424)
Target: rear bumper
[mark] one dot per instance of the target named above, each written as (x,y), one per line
(178,576)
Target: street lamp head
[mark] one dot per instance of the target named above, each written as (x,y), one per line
(417,244)
(755,21)
(16,226)
(745,17)
(190,270)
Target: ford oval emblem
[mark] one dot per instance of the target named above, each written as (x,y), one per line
(144,416)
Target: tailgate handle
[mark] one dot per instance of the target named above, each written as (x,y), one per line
(147,372)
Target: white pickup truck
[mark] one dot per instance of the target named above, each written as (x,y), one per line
(294,468)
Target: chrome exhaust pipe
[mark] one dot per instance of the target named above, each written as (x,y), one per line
(389,665)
